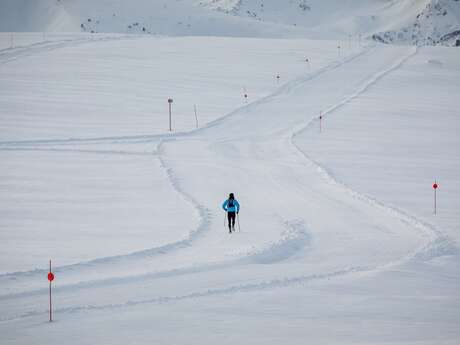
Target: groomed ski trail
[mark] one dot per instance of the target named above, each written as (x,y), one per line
(427,232)
(77,145)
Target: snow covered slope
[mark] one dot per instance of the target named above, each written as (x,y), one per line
(336,241)
(134,221)
(117,88)
(437,24)
(422,22)
(137,16)
(406,21)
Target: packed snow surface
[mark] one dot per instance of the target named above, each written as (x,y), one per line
(336,241)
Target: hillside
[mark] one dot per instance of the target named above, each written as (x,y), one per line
(336,241)
(421,22)
(127,126)
(425,22)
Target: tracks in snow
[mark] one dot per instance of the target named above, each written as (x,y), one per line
(275,253)
(11,54)
(435,239)
(62,145)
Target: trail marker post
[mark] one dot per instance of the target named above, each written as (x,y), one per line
(196,116)
(435,186)
(50,278)
(170,100)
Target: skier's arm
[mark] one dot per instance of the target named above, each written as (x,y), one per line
(224,205)
(237,204)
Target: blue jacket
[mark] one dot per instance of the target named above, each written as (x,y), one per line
(234,208)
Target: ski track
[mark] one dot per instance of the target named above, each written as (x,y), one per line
(12,54)
(161,138)
(436,243)
(134,139)
(89,151)
(294,239)
(242,288)
(204,222)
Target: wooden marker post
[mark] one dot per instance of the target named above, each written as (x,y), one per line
(170,100)
(196,116)
(50,278)
(435,186)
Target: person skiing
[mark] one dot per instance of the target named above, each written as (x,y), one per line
(232,207)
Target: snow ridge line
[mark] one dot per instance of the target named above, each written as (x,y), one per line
(234,289)
(204,222)
(133,139)
(435,238)
(203,212)
(294,238)
(71,150)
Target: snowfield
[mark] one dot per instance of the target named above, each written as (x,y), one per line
(84,106)
(337,240)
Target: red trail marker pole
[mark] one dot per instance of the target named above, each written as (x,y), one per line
(435,186)
(50,278)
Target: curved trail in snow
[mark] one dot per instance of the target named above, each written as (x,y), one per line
(271,251)
(436,240)
(58,144)
(272,159)
(136,256)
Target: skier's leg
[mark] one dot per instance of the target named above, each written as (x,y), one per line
(229,216)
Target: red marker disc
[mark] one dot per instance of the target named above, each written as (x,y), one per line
(50,277)
(435,186)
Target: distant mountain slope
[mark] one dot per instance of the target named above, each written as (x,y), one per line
(425,22)
(437,23)
(164,17)
(429,22)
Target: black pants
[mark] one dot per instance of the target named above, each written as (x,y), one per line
(231,220)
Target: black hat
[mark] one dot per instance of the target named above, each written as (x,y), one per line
(231,196)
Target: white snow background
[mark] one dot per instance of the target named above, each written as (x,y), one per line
(337,240)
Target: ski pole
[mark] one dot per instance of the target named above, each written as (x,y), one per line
(238,221)
(225,219)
